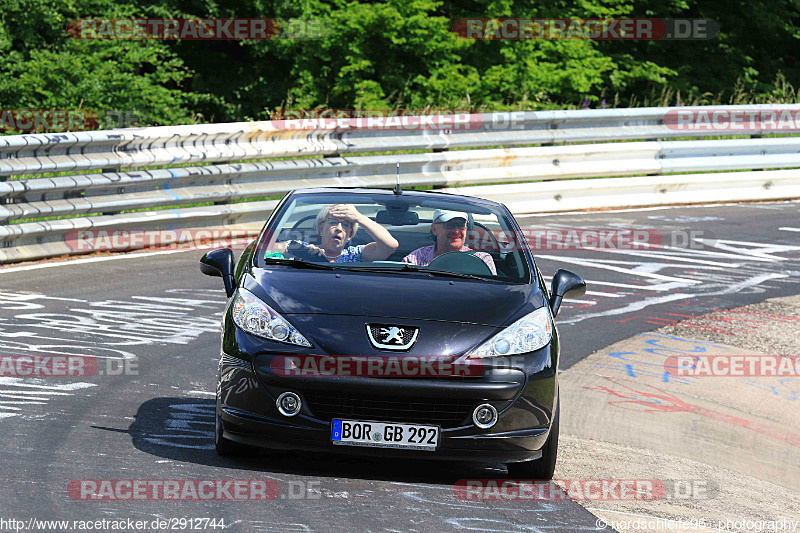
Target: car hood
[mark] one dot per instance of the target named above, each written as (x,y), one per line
(401,295)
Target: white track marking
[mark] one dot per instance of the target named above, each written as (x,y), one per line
(606,294)
(68,262)
(30,391)
(765,205)
(751,282)
(23,397)
(669,255)
(757,249)
(660,288)
(630,308)
(611,265)
(98,329)
(19,382)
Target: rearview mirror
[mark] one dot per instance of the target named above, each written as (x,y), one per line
(219,263)
(397,218)
(565,284)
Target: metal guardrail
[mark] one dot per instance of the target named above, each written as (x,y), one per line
(225,167)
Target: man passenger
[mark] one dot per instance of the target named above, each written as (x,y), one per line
(449,230)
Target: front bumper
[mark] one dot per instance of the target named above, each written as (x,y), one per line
(246,407)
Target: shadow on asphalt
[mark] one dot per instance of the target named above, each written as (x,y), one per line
(182,429)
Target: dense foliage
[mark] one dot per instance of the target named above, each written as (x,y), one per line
(389,54)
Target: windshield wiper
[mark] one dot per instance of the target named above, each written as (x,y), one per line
(297,263)
(447,273)
(301,263)
(407,267)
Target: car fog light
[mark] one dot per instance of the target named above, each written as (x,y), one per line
(288,404)
(484,416)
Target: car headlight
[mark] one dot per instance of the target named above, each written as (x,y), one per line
(527,334)
(256,317)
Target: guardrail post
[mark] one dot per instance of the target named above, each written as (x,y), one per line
(758,136)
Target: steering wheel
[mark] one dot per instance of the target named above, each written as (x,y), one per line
(461,262)
(297,224)
(495,242)
(295,249)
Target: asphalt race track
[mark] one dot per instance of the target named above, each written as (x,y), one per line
(151,320)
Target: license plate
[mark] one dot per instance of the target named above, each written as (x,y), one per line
(384,435)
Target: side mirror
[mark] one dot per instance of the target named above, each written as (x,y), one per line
(219,263)
(565,284)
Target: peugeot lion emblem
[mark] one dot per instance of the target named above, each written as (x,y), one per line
(392,337)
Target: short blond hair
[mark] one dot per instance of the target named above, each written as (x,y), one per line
(323,214)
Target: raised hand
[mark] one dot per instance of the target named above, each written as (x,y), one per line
(345,212)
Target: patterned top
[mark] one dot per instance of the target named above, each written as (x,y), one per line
(423,256)
(351,254)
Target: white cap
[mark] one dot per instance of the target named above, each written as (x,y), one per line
(441,215)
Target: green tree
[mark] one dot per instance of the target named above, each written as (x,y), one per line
(43,68)
(389,54)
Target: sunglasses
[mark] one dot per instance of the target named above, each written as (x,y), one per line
(455,224)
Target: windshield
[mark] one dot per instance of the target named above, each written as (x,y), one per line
(407,233)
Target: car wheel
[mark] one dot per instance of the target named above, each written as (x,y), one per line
(543,467)
(224,446)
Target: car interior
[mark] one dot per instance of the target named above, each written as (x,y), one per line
(413,232)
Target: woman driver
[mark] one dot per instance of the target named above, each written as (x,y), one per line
(336,225)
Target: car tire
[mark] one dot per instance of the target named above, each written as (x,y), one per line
(224,447)
(544,467)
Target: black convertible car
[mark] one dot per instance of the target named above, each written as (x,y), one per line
(411,324)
